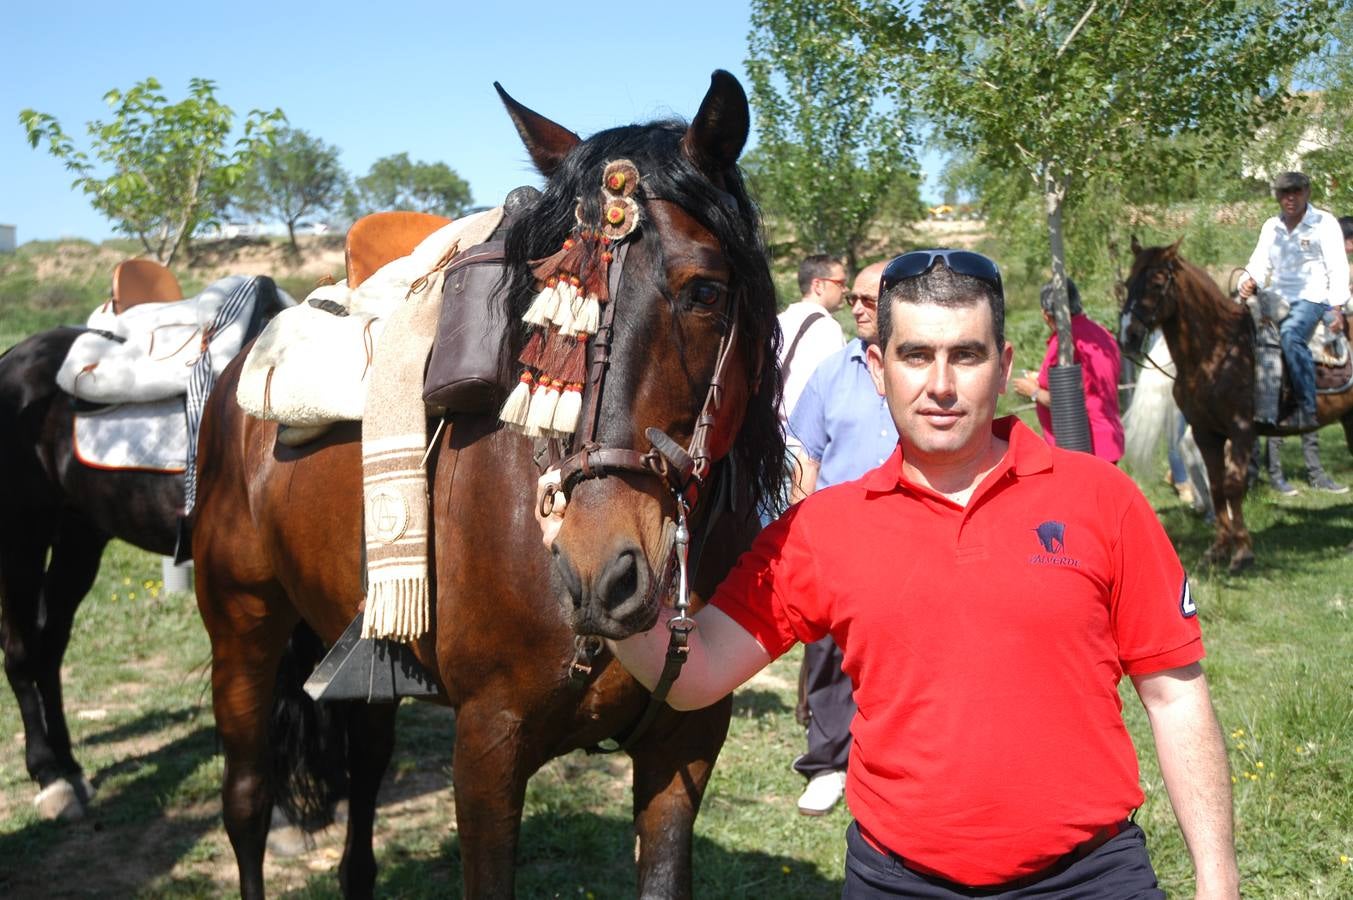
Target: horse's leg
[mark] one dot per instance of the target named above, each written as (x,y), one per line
(489,773)
(371,741)
(1239,450)
(1212,447)
(247,641)
(39,610)
(670,774)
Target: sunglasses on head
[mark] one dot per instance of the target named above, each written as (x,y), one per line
(960,262)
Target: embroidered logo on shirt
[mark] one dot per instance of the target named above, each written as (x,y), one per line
(1052,538)
(1186,606)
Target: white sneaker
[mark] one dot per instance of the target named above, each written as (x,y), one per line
(822,793)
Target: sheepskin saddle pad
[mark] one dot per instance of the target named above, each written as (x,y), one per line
(149,351)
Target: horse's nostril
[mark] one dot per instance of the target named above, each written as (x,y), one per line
(620,581)
(568,575)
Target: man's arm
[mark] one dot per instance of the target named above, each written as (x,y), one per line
(1192,755)
(805,477)
(722,656)
(1336,264)
(1258,269)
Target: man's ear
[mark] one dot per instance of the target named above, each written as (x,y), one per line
(873,357)
(1007,365)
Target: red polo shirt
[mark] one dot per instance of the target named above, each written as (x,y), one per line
(985,644)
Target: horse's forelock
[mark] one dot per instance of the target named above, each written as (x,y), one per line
(726,211)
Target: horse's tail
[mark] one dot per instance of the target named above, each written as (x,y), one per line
(1152,411)
(309,739)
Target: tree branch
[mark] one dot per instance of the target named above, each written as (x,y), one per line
(1070,37)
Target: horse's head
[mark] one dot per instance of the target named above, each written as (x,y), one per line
(1151,297)
(678,378)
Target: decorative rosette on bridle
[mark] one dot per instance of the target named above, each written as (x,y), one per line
(572,284)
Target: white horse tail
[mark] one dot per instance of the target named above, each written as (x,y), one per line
(1152,413)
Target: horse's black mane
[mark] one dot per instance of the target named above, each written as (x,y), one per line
(667,174)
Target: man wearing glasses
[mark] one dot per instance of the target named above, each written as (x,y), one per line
(987,599)
(843,429)
(808,333)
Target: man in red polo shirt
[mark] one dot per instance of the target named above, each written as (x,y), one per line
(989,751)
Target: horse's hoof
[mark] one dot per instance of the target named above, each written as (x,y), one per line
(285,839)
(60,801)
(1240,562)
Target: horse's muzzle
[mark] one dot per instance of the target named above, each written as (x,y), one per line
(613,599)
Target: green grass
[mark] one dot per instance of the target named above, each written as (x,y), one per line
(1280,661)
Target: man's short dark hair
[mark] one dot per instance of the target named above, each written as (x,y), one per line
(1073,298)
(819,265)
(1346,225)
(942,287)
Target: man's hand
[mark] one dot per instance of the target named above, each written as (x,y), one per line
(1247,287)
(549,508)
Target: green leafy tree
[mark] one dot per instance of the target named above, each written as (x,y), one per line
(1067,93)
(833,155)
(396,182)
(173,165)
(301,177)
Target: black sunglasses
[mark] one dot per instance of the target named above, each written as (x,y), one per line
(960,262)
(870,301)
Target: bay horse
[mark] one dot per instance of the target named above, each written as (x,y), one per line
(1212,341)
(278,535)
(56,517)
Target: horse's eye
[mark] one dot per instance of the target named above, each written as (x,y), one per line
(705,293)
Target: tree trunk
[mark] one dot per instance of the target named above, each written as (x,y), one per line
(1070,423)
(291,234)
(1054,192)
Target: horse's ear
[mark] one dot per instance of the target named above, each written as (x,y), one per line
(715,139)
(547,142)
(1136,247)
(1173,249)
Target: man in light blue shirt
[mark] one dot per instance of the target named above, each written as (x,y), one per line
(843,429)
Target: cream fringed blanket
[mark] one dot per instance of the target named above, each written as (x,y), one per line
(394,484)
(394,437)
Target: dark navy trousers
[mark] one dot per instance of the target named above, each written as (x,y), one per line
(1118,870)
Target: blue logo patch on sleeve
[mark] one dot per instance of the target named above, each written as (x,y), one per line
(1186,607)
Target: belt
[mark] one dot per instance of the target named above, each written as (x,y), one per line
(1077,853)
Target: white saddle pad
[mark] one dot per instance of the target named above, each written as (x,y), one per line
(149,437)
(311,367)
(155,345)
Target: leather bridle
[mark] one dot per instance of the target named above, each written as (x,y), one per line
(1132,310)
(684,471)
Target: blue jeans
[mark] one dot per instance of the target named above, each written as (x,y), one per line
(1293,334)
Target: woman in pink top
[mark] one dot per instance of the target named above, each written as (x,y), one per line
(1100,361)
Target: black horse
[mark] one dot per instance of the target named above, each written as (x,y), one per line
(56,517)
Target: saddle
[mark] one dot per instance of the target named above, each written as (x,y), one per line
(138,281)
(312,365)
(141,348)
(1274,398)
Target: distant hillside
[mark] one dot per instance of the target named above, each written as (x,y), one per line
(48,283)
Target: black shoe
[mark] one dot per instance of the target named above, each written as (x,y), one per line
(1328,485)
(1279,485)
(1302,420)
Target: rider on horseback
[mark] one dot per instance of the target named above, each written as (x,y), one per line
(1300,256)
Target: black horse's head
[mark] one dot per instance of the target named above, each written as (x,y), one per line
(1151,299)
(693,297)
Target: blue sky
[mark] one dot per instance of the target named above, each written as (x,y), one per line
(369,79)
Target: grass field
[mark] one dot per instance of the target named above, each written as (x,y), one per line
(1280,660)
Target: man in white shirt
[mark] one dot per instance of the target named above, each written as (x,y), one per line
(1300,256)
(808,333)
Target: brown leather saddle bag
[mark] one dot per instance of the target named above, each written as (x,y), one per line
(467,370)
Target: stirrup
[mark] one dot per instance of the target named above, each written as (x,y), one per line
(371,669)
